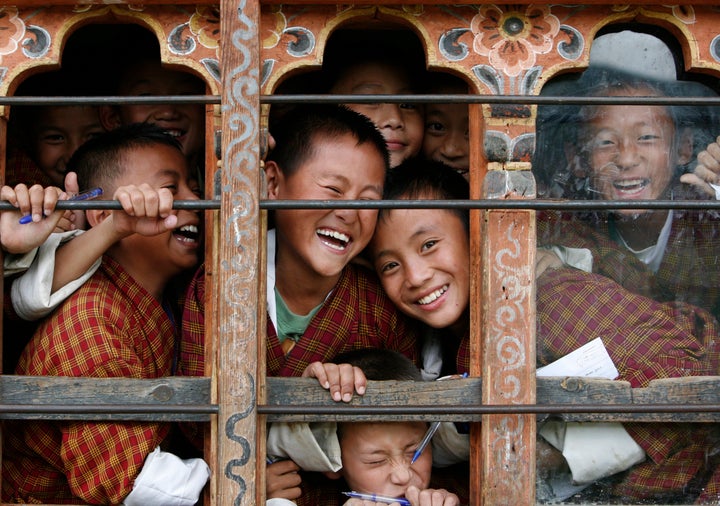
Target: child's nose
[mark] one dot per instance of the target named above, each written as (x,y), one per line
(165,112)
(391,116)
(627,155)
(417,273)
(401,473)
(455,146)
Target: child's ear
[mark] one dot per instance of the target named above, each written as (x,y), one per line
(273,178)
(109,117)
(685,146)
(96,216)
(333,475)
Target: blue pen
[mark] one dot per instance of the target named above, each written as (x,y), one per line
(433,426)
(87,195)
(378,498)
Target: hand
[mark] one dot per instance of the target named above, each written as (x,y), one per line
(72,188)
(431,497)
(282,480)
(38,202)
(146,210)
(544,260)
(549,459)
(707,171)
(341,379)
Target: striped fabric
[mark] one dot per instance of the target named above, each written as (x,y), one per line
(110,327)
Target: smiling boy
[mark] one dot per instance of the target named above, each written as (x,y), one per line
(116,325)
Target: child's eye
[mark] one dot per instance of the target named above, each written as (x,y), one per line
(388,267)
(333,189)
(53,138)
(648,138)
(408,106)
(172,187)
(435,127)
(428,244)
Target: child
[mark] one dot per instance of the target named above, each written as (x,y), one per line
(116,324)
(447,126)
(422,258)
(49,134)
(629,153)
(365,68)
(374,457)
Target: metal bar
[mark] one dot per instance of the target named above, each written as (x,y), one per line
(211,409)
(367,99)
(487,409)
(556,205)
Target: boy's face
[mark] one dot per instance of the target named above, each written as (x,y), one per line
(322,242)
(58,132)
(631,153)
(422,257)
(170,252)
(446,136)
(376,457)
(401,124)
(186,122)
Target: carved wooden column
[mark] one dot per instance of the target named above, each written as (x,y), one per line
(237,290)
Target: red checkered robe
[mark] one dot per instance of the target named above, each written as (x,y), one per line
(689,271)
(646,340)
(357,314)
(110,327)
(22,169)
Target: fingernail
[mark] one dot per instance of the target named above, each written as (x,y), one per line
(347,397)
(361,390)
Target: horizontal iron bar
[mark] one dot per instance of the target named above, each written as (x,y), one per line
(211,409)
(365,99)
(265,409)
(537,204)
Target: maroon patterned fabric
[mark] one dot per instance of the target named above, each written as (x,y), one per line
(690,269)
(110,327)
(357,314)
(646,340)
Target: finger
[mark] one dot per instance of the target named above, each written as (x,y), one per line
(714,151)
(346,379)
(360,380)
(332,372)
(52,195)
(699,184)
(165,203)
(316,370)
(706,174)
(22,198)
(37,197)
(71,183)
(8,193)
(151,201)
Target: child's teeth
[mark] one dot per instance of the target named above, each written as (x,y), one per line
(433,296)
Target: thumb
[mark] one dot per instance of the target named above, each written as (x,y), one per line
(71,183)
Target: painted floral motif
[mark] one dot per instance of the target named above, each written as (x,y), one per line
(279,24)
(512,39)
(205,25)
(12,30)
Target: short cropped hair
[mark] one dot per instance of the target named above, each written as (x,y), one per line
(381,364)
(299,130)
(101,160)
(422,179)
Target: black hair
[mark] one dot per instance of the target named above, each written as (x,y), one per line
(304,125)
(381,364)
(419,178)
(101,160)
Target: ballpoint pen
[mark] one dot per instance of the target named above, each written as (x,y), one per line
(434,426)
(86,195)
(378,498)
(425,440)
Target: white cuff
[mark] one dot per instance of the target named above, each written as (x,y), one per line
(312,446)
(31,293)
(579,258)
(167,480)
(15,263)
(593,450)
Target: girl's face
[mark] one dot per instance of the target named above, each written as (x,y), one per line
(422,257)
